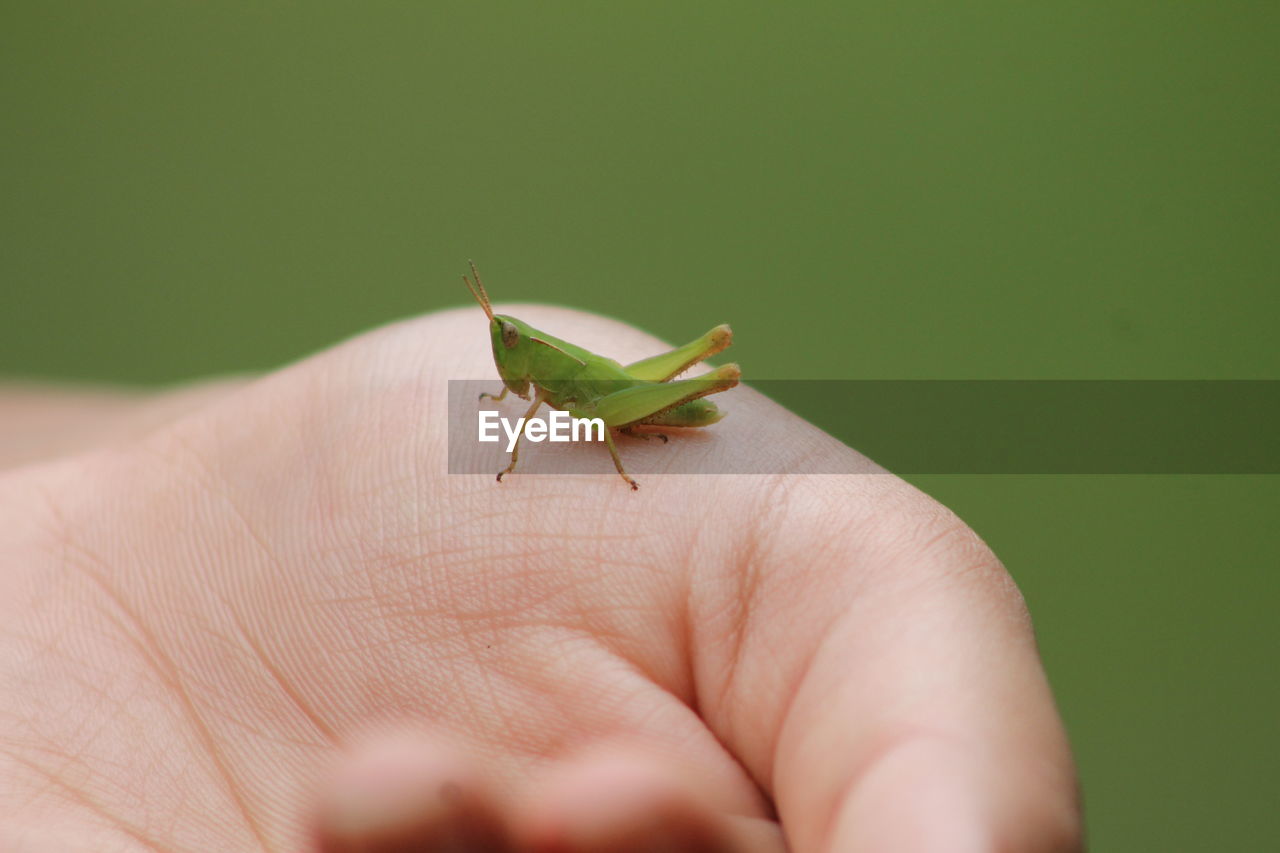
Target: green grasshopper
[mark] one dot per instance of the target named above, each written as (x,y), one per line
(587,385)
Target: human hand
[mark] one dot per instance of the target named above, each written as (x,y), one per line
(275,622)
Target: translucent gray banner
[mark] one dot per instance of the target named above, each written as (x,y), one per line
(920,427)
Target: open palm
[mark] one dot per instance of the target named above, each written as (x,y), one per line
(275,622)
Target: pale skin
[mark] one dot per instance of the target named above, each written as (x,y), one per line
(261,615)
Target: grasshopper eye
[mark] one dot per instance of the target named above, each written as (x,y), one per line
(510,335)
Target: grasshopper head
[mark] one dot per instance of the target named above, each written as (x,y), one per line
(507,334)
(510,339)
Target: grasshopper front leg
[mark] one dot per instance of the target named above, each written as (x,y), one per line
(497,398)
(515,451)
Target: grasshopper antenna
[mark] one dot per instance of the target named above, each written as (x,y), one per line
(478,291)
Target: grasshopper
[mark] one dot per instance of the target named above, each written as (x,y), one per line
(587,385)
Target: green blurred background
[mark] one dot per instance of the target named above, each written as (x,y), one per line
(892,190)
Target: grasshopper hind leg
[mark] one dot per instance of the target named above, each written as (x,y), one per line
(633,433)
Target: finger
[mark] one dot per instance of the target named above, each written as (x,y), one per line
(891,658)
(41,422)
(626,801)
(405,792)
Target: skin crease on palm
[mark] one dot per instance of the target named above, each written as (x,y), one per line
(261,615)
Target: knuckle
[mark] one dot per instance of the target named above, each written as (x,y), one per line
(933,546)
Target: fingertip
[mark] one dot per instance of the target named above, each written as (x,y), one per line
(624,802)
(402,791)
